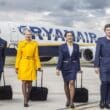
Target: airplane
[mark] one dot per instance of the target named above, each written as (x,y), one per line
(49,38)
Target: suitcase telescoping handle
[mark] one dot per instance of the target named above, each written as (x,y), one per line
(41,78)
(81,72)
(4,78)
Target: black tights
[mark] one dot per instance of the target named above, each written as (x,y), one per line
(69,88)
(26,89)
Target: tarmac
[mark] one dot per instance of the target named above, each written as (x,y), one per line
(56,97)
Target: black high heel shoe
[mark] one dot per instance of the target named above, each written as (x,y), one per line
(67,104)
(72,106)
(26,105)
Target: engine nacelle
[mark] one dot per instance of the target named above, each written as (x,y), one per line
(88,54)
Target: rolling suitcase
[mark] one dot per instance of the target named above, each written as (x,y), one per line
(5,91)
(81,94)
(39,93)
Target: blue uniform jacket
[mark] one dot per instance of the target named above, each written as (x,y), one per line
(102,58)
(3,44)
(67,62)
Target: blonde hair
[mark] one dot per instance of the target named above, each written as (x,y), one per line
(26,29)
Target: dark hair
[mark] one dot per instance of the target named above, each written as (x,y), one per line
(106,26)
(71,33)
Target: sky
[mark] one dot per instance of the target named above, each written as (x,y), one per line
(92,14)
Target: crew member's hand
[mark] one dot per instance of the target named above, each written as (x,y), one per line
(80,71)
(97,70)
(57,72)
(16,70)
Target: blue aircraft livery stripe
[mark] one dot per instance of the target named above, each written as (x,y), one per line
(55,34)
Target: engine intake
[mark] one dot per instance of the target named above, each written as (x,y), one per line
(88,54)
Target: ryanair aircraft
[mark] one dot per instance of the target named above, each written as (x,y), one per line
(49,38)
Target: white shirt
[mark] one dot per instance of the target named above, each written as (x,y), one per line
(70,48)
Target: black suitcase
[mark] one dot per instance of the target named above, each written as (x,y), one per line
(5,91)
(81,94)
(39,93)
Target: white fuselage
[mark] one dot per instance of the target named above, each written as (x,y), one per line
(47,34)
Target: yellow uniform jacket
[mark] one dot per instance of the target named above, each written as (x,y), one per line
(27,60)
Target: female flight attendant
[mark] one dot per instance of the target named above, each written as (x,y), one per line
(69,65)
(27,63)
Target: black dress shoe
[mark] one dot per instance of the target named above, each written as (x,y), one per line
(26,105)
(107,106)
(102,105)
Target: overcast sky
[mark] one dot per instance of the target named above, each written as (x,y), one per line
(76,13)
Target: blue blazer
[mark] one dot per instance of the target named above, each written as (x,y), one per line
(102,55)
(67,62)
(102,58)
(3,45)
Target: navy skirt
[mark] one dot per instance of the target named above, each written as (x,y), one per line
(69,75)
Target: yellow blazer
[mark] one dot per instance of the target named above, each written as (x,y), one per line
(27,60)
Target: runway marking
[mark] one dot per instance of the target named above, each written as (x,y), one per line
(80,106)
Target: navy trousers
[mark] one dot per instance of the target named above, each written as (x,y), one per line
(105,92)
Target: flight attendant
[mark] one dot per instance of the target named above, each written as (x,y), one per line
(102,66)
(3,45)
(27,63)
(69,65)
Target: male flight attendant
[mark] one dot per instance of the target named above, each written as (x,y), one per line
(102,66)
(3,44)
